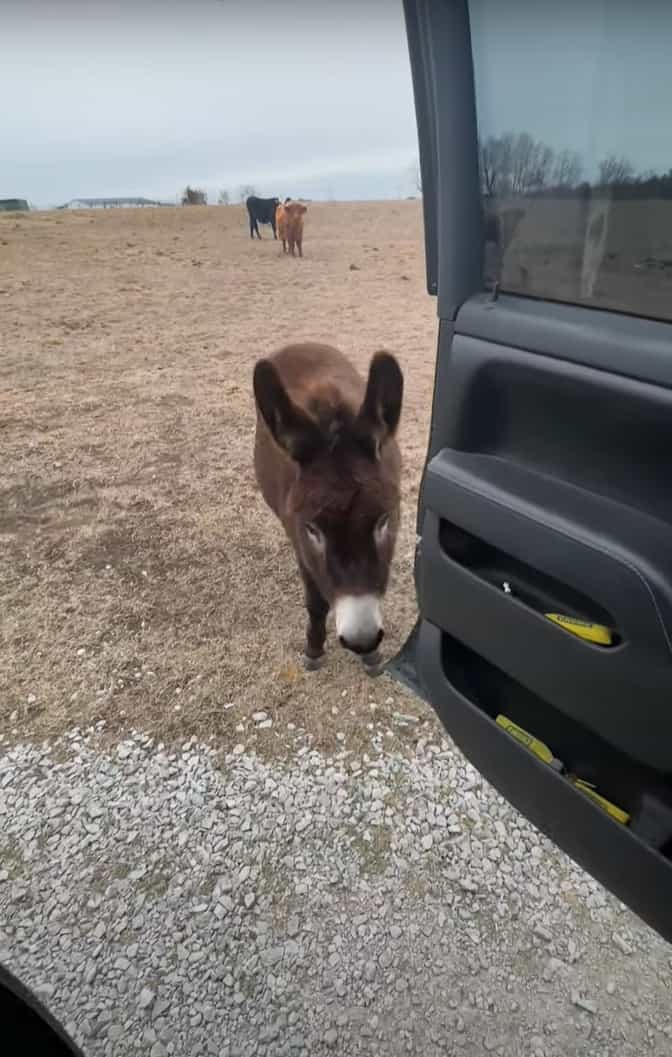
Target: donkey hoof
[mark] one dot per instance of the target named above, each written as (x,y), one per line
(373,663)
(374,670)
(313,664)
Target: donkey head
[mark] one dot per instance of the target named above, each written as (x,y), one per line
(342,510)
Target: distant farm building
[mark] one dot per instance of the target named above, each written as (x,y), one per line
(110,203)
(13,205)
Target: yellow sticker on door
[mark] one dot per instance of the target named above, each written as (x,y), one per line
(599,634)
(539,748)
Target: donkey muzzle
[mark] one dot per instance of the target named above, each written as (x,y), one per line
(359,623)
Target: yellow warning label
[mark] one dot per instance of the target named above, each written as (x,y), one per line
(539,749)
(584,629)
(615,812)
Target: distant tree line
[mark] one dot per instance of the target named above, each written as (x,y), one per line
(195,196)
(620,176)
(516,164)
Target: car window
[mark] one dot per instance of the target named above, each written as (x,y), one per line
(574,108)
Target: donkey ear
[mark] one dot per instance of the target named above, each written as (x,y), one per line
(380,413)
(290,427)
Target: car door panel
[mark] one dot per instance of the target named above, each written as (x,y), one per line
(545,492)
(632,867)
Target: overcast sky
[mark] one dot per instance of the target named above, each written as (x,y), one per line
(593,76)
(143,96)
(310,98)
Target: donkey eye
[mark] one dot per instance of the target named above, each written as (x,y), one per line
(314,535)
(382,525)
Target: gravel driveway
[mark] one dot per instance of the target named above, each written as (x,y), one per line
(194,903)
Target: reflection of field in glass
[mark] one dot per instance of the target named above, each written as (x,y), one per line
(605,254)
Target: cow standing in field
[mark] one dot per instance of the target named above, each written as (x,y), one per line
(261,211)
(281,224)
(294,213)
(329,466)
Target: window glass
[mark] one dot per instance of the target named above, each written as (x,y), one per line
(574,105)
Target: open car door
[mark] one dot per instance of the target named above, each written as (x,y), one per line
(544,556)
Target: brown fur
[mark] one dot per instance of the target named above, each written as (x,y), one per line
(293,216)
(326,459)
(281,226)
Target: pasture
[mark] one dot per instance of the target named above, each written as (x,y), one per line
(144,582)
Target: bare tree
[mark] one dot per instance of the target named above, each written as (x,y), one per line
(542,167)
(224,198)
(496,162)
(521,156)
(514,164)
(488,164)
(194,196)
(531,162)
(615,170)
(245,191)
(567,169)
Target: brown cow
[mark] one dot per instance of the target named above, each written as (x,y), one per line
(294,212)
(281,225)
(328,465)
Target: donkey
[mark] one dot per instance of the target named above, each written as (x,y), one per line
(329,466)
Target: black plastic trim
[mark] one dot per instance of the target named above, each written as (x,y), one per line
(559,531)
(416,35)
(635,872)
(442,69)
(608,341)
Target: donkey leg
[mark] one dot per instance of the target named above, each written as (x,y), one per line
(316,631)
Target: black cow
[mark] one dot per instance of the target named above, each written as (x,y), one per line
(261,211)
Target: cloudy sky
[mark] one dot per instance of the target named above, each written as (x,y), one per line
(309,98)
(592,76)
(122,97)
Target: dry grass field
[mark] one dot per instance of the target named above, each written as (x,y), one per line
(143,580)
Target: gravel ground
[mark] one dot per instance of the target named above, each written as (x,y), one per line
(194,903)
